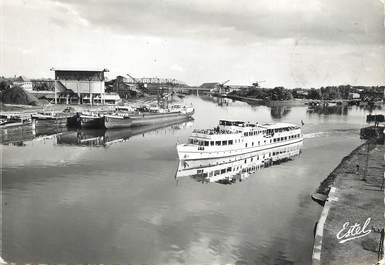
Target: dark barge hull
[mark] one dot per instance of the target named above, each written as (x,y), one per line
(91,122)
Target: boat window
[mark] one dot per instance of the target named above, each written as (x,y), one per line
(216,173)
(259,143)
(230,142)
(223,171)
(211,142)
(245,134)
(205,175)
(217,142)
(229,169)
(252,143)
(211,174)
(275,140)
(199,171)
(206,143)
(246,145)
(224,142)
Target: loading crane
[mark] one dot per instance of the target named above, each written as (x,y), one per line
(221,85)
(256,83)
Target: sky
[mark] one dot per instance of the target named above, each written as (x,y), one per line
(291,43)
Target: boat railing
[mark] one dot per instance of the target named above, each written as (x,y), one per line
(213,131)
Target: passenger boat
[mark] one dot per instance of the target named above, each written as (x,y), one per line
(237,137)
(229,170)
(123,120)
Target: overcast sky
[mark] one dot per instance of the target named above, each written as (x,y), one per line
(293,43)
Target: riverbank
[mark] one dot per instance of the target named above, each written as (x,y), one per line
(353,196)
(270,103)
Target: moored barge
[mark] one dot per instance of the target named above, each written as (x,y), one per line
(119,120)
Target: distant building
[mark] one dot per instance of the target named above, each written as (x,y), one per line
(82,86)
(210,85)
(354,96)
(23,82)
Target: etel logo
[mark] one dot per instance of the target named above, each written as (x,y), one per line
(353,231)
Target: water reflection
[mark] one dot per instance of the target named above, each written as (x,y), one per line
(220,101)
(236,168)
(328,109)
(85,137)
(278,112)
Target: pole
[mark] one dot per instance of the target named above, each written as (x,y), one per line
(367,162)
(55,91)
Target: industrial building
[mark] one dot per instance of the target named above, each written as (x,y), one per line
(82,86)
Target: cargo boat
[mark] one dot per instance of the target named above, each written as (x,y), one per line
(119,120)
(91,121)
(57,119)
(231,138)
(13,121)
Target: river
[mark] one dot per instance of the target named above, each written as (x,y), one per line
(67,199)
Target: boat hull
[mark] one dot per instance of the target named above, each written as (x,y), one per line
(144,119)
(151,119)
(188,152)
(91,122)
(113,122)
(61,120)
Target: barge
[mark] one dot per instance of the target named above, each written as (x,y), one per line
(125,120)
(13,121)
(90,120)
(47,119)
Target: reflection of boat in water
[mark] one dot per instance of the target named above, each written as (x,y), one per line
(103,137)
(16,135)
(230,169)
(236,137)
(21,134)
(328,109)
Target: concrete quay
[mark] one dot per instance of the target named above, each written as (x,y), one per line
(349,229)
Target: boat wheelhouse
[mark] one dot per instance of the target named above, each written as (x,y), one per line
(231,138)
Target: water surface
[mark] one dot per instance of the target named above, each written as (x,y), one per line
(67,199)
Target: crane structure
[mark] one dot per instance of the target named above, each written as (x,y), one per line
(221,85)
(256,83)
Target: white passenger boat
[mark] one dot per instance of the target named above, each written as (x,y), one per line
(233,168)
(236,137)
